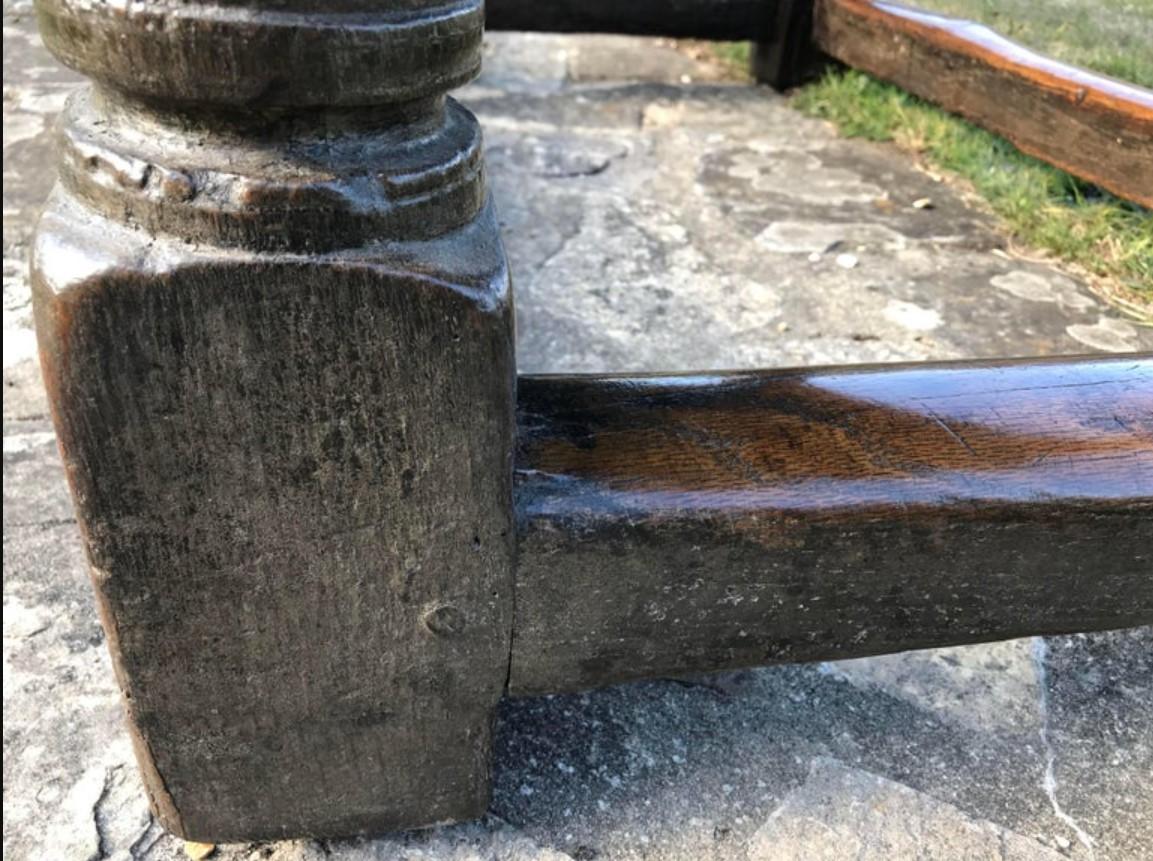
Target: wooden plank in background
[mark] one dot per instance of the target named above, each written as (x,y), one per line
(1092,126)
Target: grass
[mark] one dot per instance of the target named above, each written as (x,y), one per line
(1110,36)
(1042,208)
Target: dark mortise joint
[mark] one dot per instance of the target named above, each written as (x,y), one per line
(275,326)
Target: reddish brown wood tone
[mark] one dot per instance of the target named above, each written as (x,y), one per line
(677,524)
(1092,126)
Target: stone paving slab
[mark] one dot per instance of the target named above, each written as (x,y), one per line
(841,812)
(654,222)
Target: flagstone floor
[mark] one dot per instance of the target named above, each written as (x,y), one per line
(656,219)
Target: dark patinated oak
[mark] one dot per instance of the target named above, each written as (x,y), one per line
(276,330)
(275,326)
(672,524)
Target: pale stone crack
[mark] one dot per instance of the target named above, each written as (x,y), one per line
(1049,781)
(566,240)
(593,169)
(98,820)
(51,523)
(138,850)
(30,634)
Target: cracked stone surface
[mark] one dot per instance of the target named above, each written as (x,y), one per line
(842,812)
(652,224)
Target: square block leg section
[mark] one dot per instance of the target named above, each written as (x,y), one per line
(293,478)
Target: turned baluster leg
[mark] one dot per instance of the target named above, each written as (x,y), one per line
(276,330)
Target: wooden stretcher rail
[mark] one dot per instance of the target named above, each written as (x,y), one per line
(670,525)
(1092,126)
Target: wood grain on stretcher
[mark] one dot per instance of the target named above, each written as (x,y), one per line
(679,524)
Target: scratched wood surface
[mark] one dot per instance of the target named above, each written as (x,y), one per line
(1092,126)
(671,525)
(278,348)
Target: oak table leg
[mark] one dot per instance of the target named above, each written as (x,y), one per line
(276,330)
(786,56)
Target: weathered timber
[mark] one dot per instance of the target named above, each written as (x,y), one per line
(722,20)
(670,525)
(1092,126)
(250,54)
(276,332)
(784,54)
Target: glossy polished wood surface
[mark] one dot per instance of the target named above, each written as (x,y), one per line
(1092,126)
(678,524)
